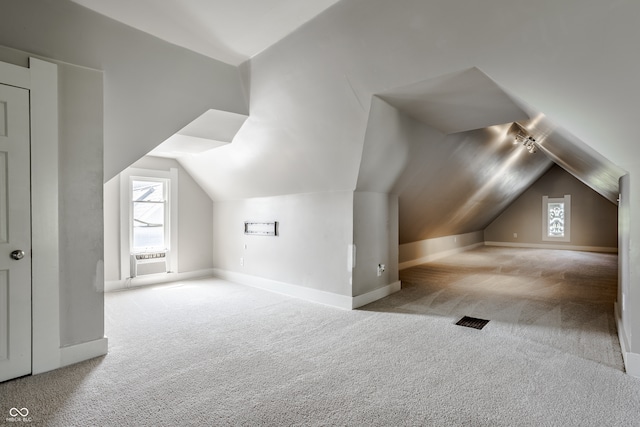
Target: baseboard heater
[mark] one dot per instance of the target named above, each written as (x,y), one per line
(148,263)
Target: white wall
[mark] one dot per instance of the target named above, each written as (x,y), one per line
(375,235)
(195,210)
(311,92)
(80,200)
(152,88)
(81,242)
(310,250)
(389,143)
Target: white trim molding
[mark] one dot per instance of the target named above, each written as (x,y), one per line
(45,283)
(84,351)
(375,295)
(631,360)
(603,249)
(14,75)
(307,294)
(416,253)
(155,279)
(438,255)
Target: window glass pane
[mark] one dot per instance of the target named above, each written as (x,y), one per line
(148,238)
(556,219)
(148,191)
(148,215)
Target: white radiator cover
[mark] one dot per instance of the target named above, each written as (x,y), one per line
(148,263)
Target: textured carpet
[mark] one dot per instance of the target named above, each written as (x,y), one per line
(212,353)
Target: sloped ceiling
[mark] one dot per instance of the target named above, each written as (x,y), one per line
(231,31)
(446,147)
(456,102)
(312,97)
(213,129)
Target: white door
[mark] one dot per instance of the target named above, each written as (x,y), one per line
(15,234)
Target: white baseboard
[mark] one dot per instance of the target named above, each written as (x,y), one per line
(375,295)
(438,255)
(155,279)
(308,294)
(631,360)
(81,352)
(551,246)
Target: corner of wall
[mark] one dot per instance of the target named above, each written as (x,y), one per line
(631,360)
(416,253)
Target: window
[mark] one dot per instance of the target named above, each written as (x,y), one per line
(149,209)
(556,219)
(148,217)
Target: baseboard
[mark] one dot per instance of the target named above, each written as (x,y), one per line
(155,279)
(308,294)
(551,246)
(631,360)
(438,255)
(369,297)
(81,352)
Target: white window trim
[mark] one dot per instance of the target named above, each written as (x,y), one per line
(567,218)
(125,216)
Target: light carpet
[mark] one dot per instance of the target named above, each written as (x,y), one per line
(212,353)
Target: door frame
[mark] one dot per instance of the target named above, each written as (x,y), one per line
(41,79)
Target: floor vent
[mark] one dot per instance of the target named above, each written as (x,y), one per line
(472,322)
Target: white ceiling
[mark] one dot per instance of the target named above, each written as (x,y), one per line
(456,102)
(231,31)
(311,91)
(213,129)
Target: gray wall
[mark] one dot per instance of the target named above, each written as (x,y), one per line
(310,250)
(81,223)
(427,250)
(195,230)
(375,221)
(80,199)
(594,220)
(152,88)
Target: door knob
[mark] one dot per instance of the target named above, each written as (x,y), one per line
(17,254)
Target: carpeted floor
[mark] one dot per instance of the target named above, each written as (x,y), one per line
(212,353)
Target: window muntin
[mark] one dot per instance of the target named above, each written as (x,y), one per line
(556,219)
(170,191)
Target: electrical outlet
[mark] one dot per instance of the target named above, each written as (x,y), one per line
(515,235)
(381,268)
(241,262)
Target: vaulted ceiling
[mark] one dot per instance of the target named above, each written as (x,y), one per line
(231,31)
(422,99)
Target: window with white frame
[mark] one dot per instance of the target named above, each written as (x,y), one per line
(149,214)
(148,222)
(556,219)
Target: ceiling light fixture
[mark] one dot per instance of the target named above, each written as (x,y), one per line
(526,140)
